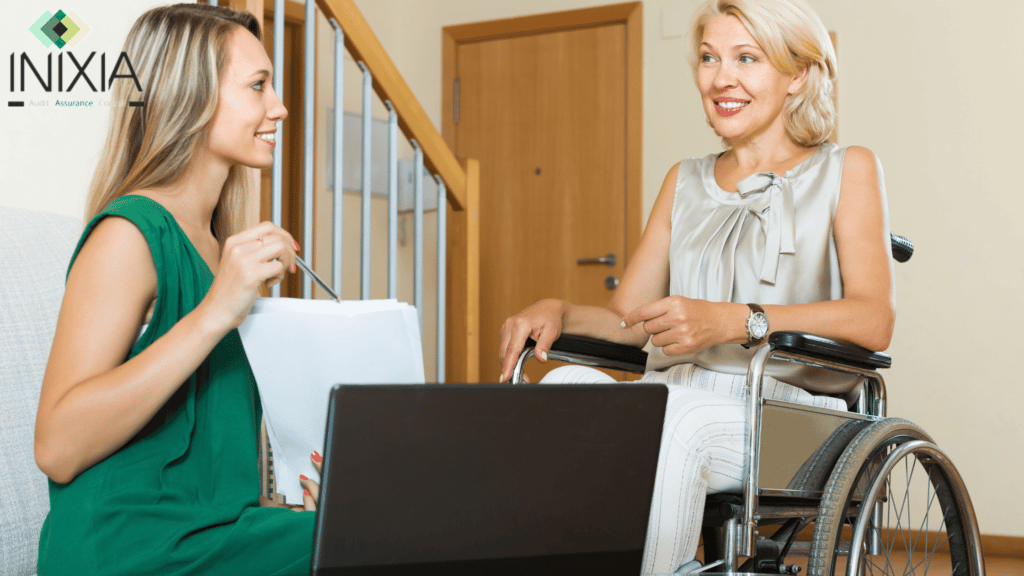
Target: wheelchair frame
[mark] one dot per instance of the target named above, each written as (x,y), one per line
(740,526)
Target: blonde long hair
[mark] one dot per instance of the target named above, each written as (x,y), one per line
(794,38)
(178,54)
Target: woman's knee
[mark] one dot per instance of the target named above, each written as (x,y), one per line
(576,375)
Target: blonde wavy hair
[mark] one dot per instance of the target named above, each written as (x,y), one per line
(178,53)
(794,38)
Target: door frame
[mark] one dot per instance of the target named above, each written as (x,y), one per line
(631,15)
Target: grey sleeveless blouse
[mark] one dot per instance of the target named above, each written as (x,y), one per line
(771,243)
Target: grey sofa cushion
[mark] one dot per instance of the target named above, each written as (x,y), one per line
(35,248)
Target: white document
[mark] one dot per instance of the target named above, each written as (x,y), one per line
(299,349)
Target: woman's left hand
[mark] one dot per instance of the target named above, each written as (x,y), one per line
(311,496)
(680,325)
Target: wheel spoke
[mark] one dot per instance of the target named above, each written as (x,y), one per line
(909,540)
(904,520)
(890,533)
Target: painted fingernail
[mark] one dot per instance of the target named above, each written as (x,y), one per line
(303,477)
(622,324)
(316,457)
(296,242)
(543,356)
(306,493)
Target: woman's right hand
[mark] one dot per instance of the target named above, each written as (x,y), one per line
(542,322)
(254,258)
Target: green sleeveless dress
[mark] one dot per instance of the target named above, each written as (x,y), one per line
(181,497)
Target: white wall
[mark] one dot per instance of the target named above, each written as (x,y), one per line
(930,85)
(48,153)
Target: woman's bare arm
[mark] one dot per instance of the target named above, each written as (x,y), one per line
(866,315)
(92,401)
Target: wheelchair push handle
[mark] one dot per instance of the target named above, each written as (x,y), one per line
(902,247)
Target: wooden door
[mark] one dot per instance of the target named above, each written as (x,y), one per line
(546,114)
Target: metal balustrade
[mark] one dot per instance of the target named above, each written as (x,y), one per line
(445,197)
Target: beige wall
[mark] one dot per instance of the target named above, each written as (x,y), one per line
(930,86)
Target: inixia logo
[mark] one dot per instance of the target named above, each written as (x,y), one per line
(62,29)
(77,70)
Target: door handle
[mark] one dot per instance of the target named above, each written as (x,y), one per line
(610,260)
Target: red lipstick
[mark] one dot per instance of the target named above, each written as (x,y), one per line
(731,111)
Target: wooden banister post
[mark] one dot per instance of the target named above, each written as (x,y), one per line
(462,355)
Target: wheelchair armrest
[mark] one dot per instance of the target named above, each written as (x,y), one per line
(828,349)
(603,353)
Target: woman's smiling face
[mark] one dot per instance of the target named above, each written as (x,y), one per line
(244,126)
(742,91)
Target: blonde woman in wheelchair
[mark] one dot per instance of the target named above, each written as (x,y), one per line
(781,231)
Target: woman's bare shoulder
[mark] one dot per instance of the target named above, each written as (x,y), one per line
(115,251)
(860,160)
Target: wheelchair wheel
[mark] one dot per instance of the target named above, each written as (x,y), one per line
(896,505)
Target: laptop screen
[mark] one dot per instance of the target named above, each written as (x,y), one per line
(494,479)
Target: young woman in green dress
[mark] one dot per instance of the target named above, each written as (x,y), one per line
(149,415)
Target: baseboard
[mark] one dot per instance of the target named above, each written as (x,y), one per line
(1009,546)
(991,544)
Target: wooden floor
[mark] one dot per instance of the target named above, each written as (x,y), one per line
(994,566)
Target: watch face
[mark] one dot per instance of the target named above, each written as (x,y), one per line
(758,325)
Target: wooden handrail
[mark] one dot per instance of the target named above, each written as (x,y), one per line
(364,46)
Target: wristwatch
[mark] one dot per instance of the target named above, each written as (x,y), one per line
(757,326)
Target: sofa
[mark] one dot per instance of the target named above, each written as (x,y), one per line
(35,248)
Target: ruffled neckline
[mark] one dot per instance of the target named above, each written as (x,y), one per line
(726,197)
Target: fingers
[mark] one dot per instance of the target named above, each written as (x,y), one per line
(543,321)
(318,462)
(275,243)
(510,355)
(275,247)
(311,488)
(260,255)
(545,338)
(513,338)
(644,313)
(660,315)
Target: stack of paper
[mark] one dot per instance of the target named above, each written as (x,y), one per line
(299,349)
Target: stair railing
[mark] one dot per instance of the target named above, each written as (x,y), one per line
(457,182)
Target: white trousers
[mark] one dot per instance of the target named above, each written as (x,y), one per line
(702,452)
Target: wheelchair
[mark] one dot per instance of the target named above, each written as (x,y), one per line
(881,496)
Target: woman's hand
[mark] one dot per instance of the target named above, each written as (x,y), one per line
(542,321)
(680,325)
(311,494)
(254,258)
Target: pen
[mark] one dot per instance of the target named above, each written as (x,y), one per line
(317,279)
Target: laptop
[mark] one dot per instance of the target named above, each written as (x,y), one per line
(487,479)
